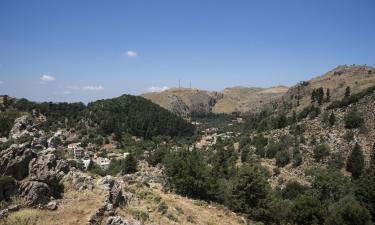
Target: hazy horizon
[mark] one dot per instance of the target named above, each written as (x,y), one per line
(87,50)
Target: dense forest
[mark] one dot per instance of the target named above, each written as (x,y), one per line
(126,114)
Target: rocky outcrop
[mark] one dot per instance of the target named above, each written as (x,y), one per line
(79,180)
(43,182)
(35,192)
(15,160)
(22,126)
(116,220)
(114,198)
(149,175)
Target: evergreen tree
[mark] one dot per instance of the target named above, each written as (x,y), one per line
(356,162)
(313,95)
(328,95)
(319,95)
(332,119)
(365,191)
(347,92)
(348,211)
(249,188)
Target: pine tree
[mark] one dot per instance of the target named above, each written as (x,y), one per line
(313,95)
(356,162)
(332,119)
(347,92)
(328,95)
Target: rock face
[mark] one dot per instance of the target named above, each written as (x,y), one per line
(37,169)
(22,126)
(15,160)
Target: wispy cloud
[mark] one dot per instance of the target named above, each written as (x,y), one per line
(67,92)
(71,88)
(157,89)
(46,78)
(93,88)
(1,82)
(131,54)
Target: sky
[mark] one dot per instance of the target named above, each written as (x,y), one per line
(83,50)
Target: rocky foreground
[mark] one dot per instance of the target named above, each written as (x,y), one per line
(44,189)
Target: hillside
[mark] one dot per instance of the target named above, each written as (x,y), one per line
(357,78)
(185,101)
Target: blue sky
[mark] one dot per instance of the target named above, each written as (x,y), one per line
(82,50)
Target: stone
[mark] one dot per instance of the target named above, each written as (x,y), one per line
(52,205)
(116,220)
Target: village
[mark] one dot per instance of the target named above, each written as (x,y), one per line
(87,156)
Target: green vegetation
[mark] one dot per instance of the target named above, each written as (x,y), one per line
(126,114)
(320,152)
(356,162)
(354,98)
(353,120)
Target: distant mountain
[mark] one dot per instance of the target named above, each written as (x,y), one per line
(186,101)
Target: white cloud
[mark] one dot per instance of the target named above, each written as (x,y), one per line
(1,82)
(131,54)
(45,78)
(73,88)
(93,88)
(157,89)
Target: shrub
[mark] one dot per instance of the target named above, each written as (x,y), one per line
(320,152)
(353,120)
(282,158)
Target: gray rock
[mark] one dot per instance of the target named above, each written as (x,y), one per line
(116,220)
(35,192)
(22,126)
(5,212)
(52,205)
(79,180)
(14,161)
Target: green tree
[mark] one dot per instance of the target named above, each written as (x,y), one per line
(307,210)
(365,191)
(328,95)
(249,188)
(356,162)
(320,152)
(332,119)
(348,211)
(347,92)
